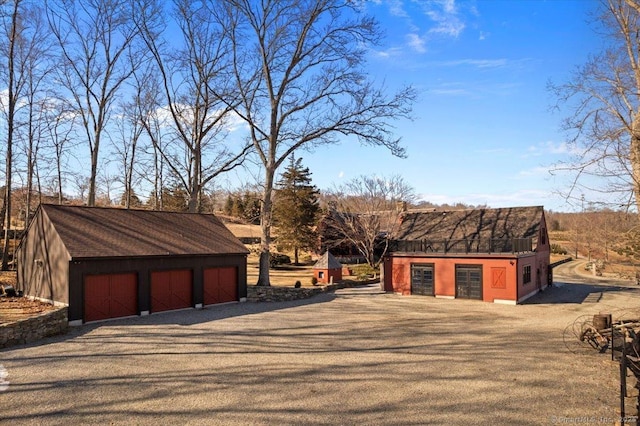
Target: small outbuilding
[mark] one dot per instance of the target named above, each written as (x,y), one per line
(495,255)
(108,262)
(327,269)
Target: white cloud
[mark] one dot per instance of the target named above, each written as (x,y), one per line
(416,42)
(478,63)
(450,91)
(550,148)
(390,53)
(396,8)
(540,171)
(445,16)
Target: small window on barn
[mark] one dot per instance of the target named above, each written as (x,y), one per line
(543,236)
(526,274)
(321,274)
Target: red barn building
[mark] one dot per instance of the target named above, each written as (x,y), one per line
(496,255)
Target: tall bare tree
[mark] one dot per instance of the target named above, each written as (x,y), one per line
(36,54)
(12,32)
(299,68)
(195,78)
(153,119)
(22,50)
(61,138)
(130,130)
(365,212)
(98,55)
(603,96)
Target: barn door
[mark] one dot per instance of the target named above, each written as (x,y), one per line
(220,285)
(110,296)
(469,281)
(422,279)
(171,290)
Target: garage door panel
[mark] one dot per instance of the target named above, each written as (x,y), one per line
(110,296)
(211,286)
(125,300)
(182,288)
(160,291)
(171,290)
(220,285)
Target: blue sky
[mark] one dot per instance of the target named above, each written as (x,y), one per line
(483,131)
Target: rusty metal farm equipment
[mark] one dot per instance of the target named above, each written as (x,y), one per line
(621,337)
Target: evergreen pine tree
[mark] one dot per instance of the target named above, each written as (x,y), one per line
(296,209)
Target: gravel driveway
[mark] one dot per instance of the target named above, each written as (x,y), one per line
(353,357)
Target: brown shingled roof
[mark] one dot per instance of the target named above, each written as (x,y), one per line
(90,232)
(472,224)
(327,261)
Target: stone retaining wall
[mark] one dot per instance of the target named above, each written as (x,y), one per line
(35,328)
(283,294)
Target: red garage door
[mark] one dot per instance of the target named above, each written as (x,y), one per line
(110,296)
(171,290)
(220,285)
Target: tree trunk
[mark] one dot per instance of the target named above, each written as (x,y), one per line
(10,131)
(7,202)
(265,226)
(635,161)
(194,183)
(91,199)
(59,170)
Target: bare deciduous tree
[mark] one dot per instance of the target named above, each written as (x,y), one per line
(130,130)
(604,97)
(299,69)
(22,49)
(61,137)
(36,56)
(97,44)
(195,79)
(365,212)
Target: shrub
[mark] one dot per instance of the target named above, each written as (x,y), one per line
(314,281)
(558,249)
(276,259)
(298,284)
(363,269)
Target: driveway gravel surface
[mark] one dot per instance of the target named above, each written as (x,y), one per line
(357,356)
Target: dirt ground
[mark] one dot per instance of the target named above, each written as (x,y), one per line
(356,356)
(17,308)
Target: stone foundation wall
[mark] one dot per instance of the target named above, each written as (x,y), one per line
(32,329)
(283,294)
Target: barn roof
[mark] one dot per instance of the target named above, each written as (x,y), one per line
(472,224)
(90,232)
(327,261)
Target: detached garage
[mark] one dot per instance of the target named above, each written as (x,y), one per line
(108,263)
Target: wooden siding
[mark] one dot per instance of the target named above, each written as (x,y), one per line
(43,262)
